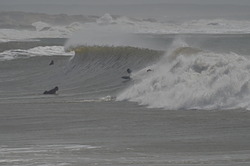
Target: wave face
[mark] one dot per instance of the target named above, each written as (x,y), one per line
(92,73)
(102,67)
(189,78)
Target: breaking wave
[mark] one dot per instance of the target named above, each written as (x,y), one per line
(183,77)
(190,78)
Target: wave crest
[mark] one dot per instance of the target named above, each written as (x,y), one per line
(118,56)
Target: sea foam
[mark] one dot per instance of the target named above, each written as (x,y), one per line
(189,78)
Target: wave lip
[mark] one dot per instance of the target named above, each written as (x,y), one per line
(202,80)
(120,53)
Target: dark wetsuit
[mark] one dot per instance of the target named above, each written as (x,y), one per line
(52,91)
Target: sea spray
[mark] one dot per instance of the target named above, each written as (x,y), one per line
(193,79)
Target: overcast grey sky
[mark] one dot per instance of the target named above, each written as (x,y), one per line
(187,9)
(239,2)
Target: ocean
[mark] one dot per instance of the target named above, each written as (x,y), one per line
(186,101)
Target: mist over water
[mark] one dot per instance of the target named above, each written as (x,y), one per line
(162,10)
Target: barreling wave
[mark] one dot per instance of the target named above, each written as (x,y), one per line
(93,73)
(193,79)
(99,68)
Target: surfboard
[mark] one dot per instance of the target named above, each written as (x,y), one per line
(126,77)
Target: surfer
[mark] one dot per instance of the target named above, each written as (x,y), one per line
(52,91)
(51,63)
(129,71)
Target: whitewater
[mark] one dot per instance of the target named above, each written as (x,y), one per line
(186,101)
(203,80)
